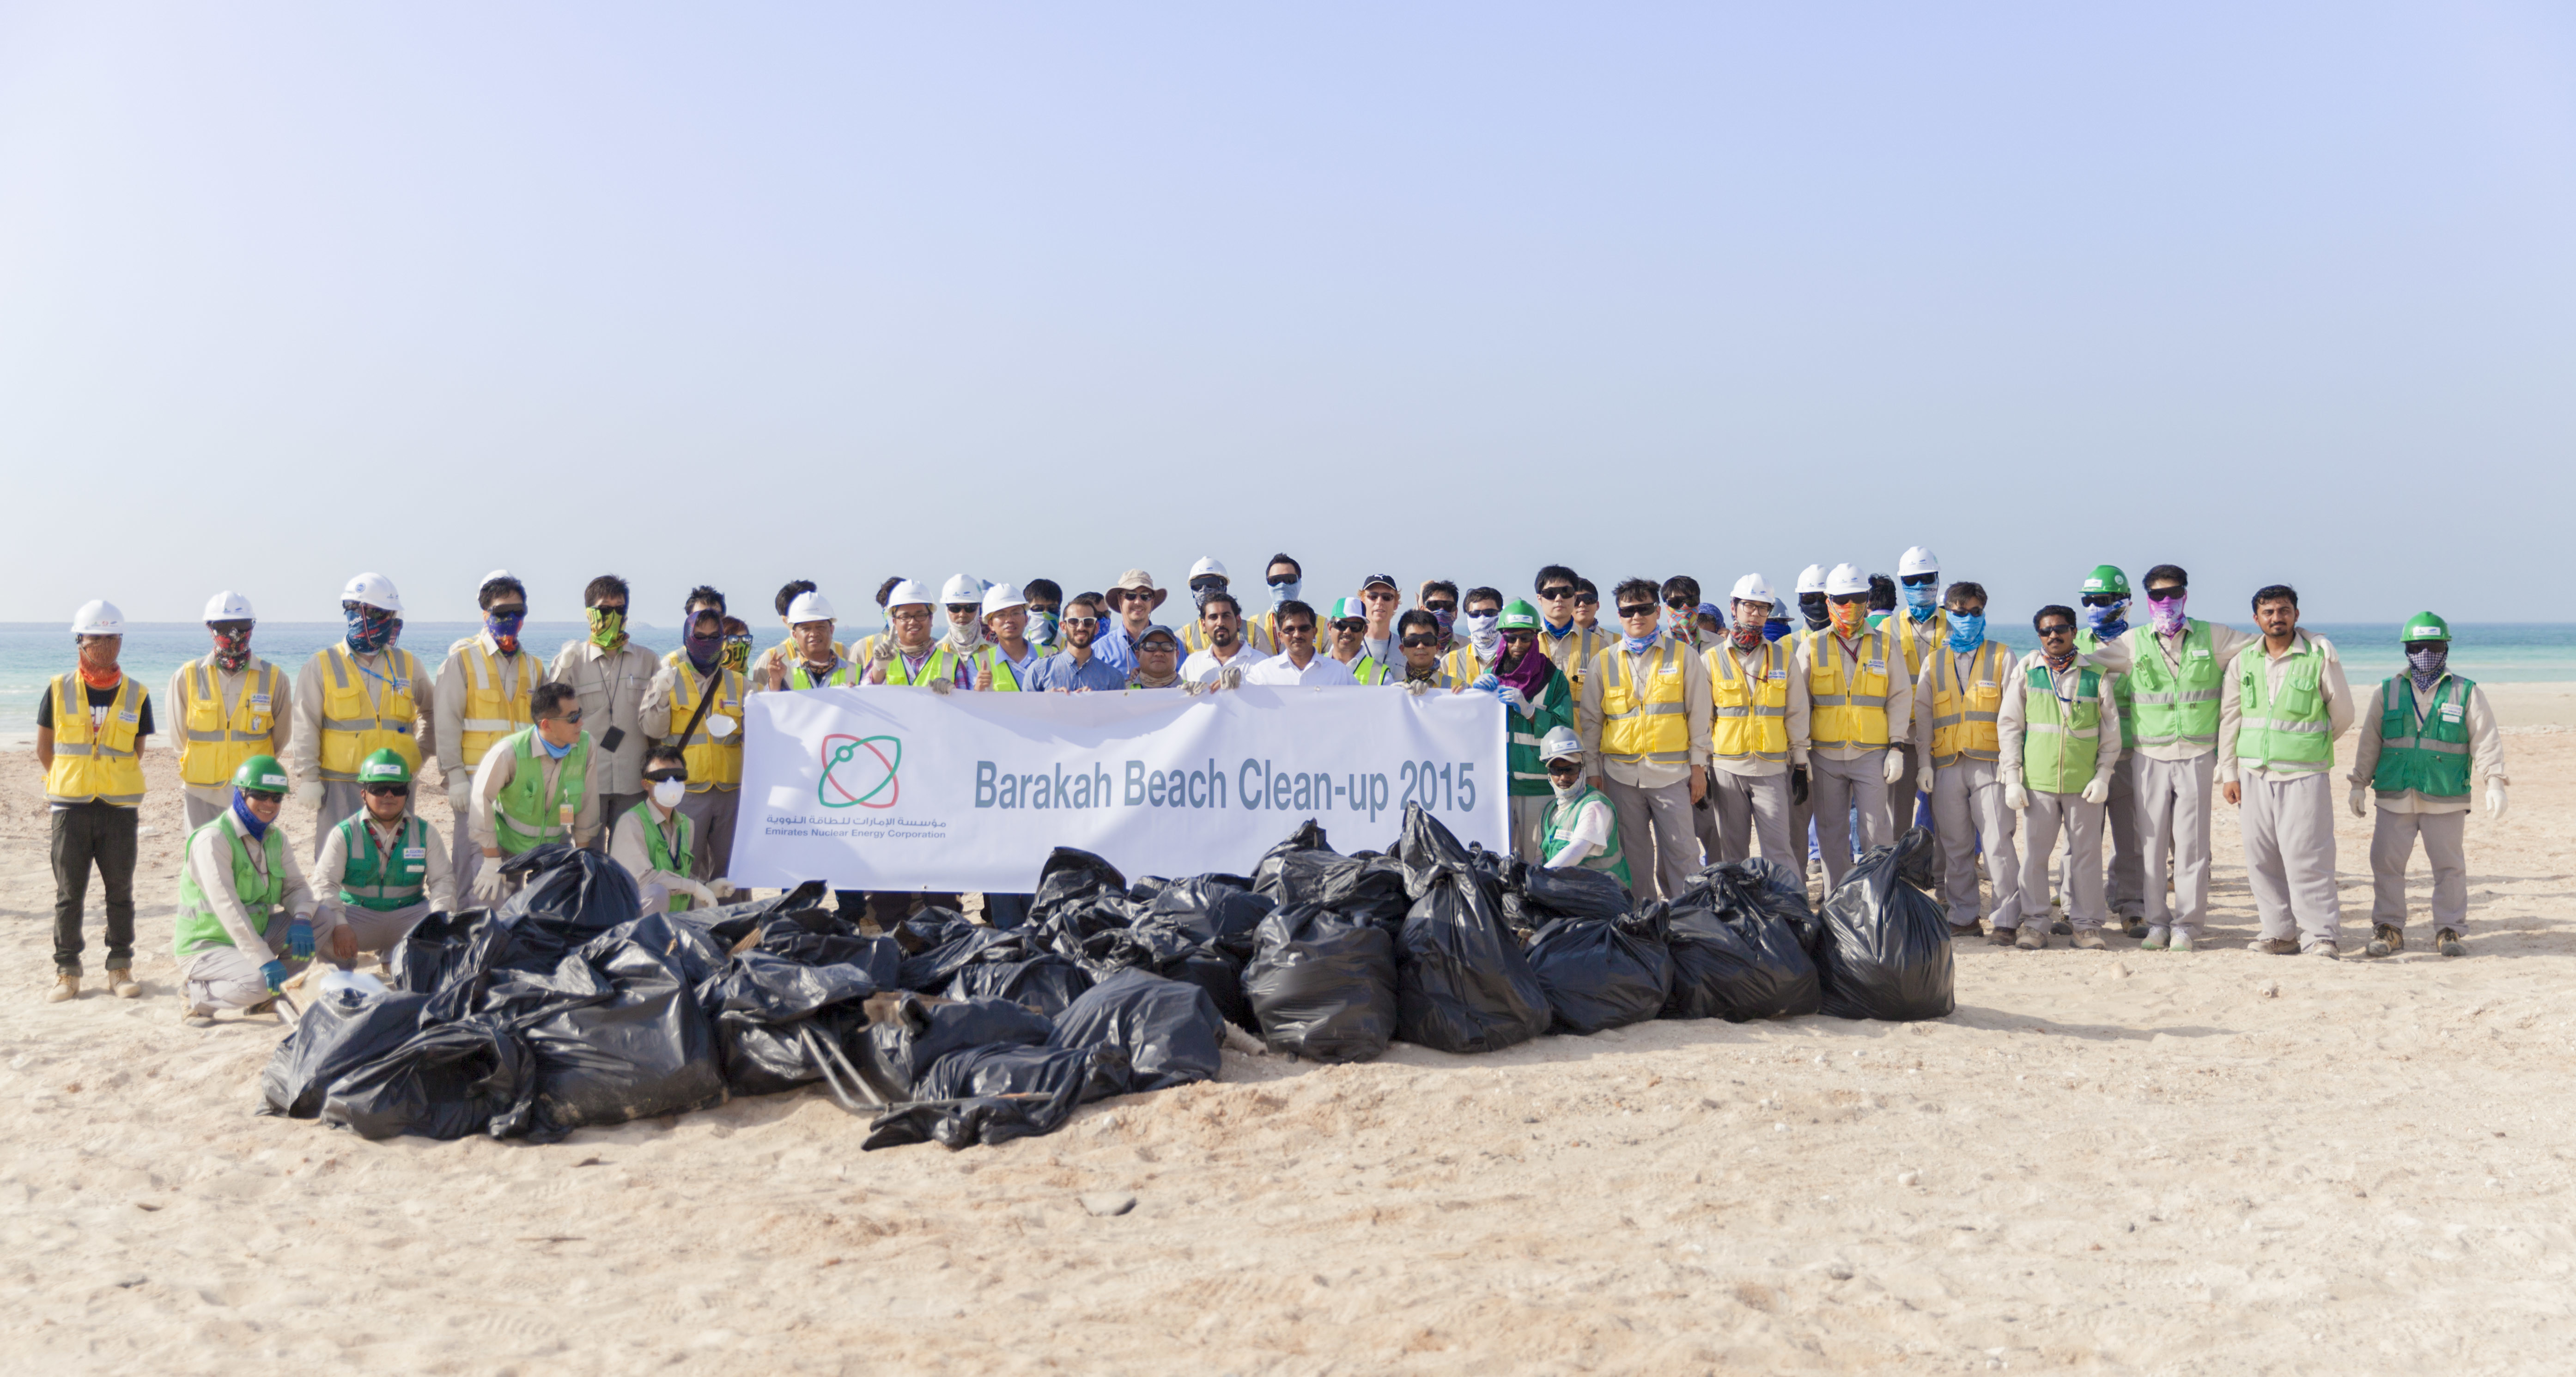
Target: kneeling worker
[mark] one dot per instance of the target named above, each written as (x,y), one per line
(245,922)
(381,866)
(2432,731)
(1581,829)
(2058,733)
(533,787)
(654,840)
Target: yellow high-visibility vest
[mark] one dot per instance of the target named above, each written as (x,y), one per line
(1650,724)
(96,761)
(364,711)
(714,762)
(1963,713)
(1847,709)
(214,742)
(495,704)
(1750,714)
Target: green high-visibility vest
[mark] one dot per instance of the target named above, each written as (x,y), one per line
(1005,678)
(660,857)
(526,814)
(2430,758)
(2172,703)
(2061,740)
(1560,834)
(367,881)
(941,664)
(843,674)
(2292,731)
(198,928)
(2087,643)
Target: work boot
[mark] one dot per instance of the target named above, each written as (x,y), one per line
(66,986)
(2156,939)
(196,1015)
(2034,935)
(265,1006)
(1971,928)
(2182,942)
(2089,939)
(2134,926)
(2385,940)
(2277,946)
(120,982)
(2448,943)
(2062,928)
(2324,949)
(2001,937)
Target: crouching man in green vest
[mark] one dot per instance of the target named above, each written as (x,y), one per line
(2432,730)
(653,840)
(1581,828)
(2280,709)
(534,787)
(379,871)
(2057,738)
(245,923)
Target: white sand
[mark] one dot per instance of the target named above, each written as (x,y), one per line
(2220,1162)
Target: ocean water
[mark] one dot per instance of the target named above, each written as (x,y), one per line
(31,653)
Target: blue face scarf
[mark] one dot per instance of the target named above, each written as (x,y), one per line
(552,750)
(249,820)
(1639,645)
(1967,631)
(370,628)
(2108,622)
(1920,599)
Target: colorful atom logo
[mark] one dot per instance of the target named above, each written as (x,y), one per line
(857,772)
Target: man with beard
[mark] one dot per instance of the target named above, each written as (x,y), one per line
(1223,656)
(1076,669)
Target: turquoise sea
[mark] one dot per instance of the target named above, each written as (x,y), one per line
(31,653)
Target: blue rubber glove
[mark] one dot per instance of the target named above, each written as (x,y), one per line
(275,974)
(1511,697)
(299,939)
(1485,683)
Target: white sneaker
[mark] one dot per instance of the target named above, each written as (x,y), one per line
(2181,942)
(2157,939)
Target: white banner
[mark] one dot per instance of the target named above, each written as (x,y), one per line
(900,788)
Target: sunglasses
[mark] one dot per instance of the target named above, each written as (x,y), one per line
(1416,642)
(1442,605)
(1201,585)
(2055,630)
(2103,600)
(1350,624)
(956,607)
(741,639)
(1680,604)
(1846,599)
(573,717)
(1284,582)
(1519,637)
(1296,628)
(229,628)
(1377,595)
(1559,591)
(1636,609)
(667,772)
(1919,580)
(2166,594)
(264,796)
(504,613)
(379,790)
(1587,600)
(1077,623)
(1568,768)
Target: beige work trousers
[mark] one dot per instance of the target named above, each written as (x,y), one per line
(1968,806)
(2082,823)
(2290,857)
(2392,846)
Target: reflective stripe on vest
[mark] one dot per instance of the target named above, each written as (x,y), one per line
(1559,833)
(492,709)
(843,674)
(526,813)
(1964,715)
(2430,758)
(381,882)
(1005,678)
(1652,726)
(1847,712)
(214,740)
(96,762)
(712,761)
(2292,732)
(259,882)
(1746,721)
(355,724)
(940,664)
(2174,704)
(1916,640)
(2059,753)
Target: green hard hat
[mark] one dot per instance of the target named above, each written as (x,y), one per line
(1345,609)
(2424,626)
(2106,578)
(261,774)
(384,767)
(1518,615)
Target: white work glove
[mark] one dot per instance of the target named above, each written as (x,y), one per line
(486,889)
(703,896)
(1923,779)
(2359,792)
(2097,789)
(2016,798)
(1193,688)
(1230,677)
(1895,767)
(309,793)
(2495,798)
(942,687)
(460,796)
(723,889)
(1417,687)
(1512,697)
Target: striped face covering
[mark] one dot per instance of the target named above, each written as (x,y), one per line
(2425,666)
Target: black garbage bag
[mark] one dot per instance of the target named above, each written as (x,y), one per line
(1072,877)
(1368,889)
(1771,887)
(1169,1031)
(1601,973)
(567,897)
(880,957)
(1222,910)
(334,1036)
(1885,952)
(1322,987)
(641,1049)
(897,1049)
(684,945)
(761,1003)
(1045,982)
(1269,874)
(960,942)
(1161,944)
(1425,844)
(730,923)
(450,956)
(471,1075)
(992,1095)
(1461,982)
(1734,962)
(1535,896)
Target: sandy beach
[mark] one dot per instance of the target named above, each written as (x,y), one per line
(2220,1162)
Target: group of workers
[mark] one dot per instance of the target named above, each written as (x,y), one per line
(1682,733)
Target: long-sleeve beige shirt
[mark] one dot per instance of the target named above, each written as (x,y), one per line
(500,766)
(2119,654)
(519,674)
(1926,700)
(1747,665)
(610,685)
(2486,753)
(626,847)
(229,686)
(305,762)
(1646,774)
(331,868)
(1900,690)
(210,864)
(2231,713)
(2012,719)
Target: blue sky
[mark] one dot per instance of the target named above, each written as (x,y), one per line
(2278,292)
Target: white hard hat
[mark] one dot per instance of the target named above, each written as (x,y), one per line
(1846,578)
(495,574)
(809,607)
(375,590)
(1751,588)
(228,606)
(1559,743)
(1209,565)
(1003,595)
(98,617)
(907,593)
(961,588)
(1811,580)
(1918,560)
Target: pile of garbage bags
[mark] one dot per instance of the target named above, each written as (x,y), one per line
(564,1008)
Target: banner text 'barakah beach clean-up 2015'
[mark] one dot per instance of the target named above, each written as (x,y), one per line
(900,788)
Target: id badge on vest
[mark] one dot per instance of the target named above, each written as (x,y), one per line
(2451,712)
(563,814)
(415,853)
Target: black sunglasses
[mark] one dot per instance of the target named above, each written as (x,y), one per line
(956,607)
(1419,640)
(263,796)
(1440,606)
(1565,767)
(1846,598)
(2103,600)
(666,772)
(1559,591)
(1284,582)
(2167,594)
(2056,629)
(1350,624)
(1206,582)
(1679,602)
(1587,600)
(379,790)
(1510,636)
(1919,580)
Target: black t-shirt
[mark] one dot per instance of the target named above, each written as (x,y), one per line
(98,698)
